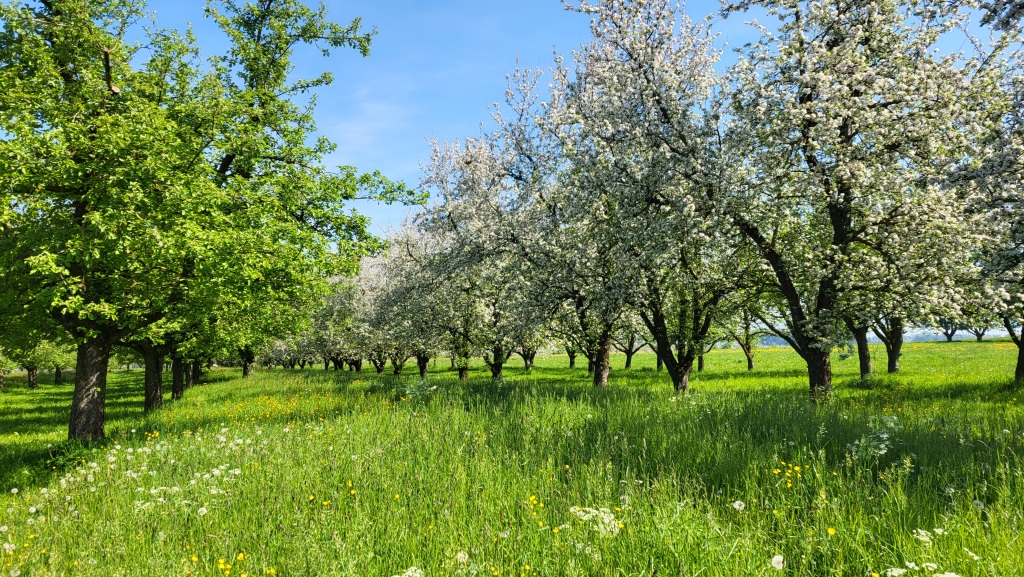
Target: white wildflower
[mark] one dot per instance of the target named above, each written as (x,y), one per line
(739,505)
(923,536)
(778,562)
(462,557)
(201,511)
(411,572)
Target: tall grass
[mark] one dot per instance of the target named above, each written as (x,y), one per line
(324,473)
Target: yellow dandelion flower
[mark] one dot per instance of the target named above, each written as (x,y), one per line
(831,531)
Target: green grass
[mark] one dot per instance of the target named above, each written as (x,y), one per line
(320,473)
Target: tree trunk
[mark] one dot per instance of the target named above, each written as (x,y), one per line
(189,381)
(497,370)
(396,367)
(197,371)
(894,349)
(681,379)
(177,378)
(454,366)
(463,373)
(890,332)
(659,363)
(572,357)
(1018,373)
(590,365)
(819,372)
(154,379)
(749,353)
(33,377)
(860,336)
(423,362)
(247,359)
(949,336)
(88,406)
(58,376)
(629,360)
(327,364)
(700,364)
(528,355)
(602,361)
(358,365)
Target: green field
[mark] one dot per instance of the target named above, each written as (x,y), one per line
(323,473)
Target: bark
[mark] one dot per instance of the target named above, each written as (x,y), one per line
(58,375)
(890,332)
(948,335)
(495,361)
(189,381)
(591,363)
(602,360)
(700,363)
(154,379)
(423,362)
(454,366)
(177,378)
(327,364)
(396,367)
(860,336)
(248,356)
(463,373)
(748,350)
(33,377)
(819,372)
(1018,373)
(681,380)
(358,365)
(528,354)
(572,357)
(659,363)
(528,359)
(197,371)
(88,405)
(629,360)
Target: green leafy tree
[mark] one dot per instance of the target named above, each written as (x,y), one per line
(142,188)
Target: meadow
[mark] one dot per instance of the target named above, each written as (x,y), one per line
(312,472)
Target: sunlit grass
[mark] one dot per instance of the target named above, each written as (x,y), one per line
(314,473)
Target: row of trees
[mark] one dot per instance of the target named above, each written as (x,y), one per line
(154,199)
(847,175)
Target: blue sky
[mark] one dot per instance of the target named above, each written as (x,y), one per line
(434,69)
